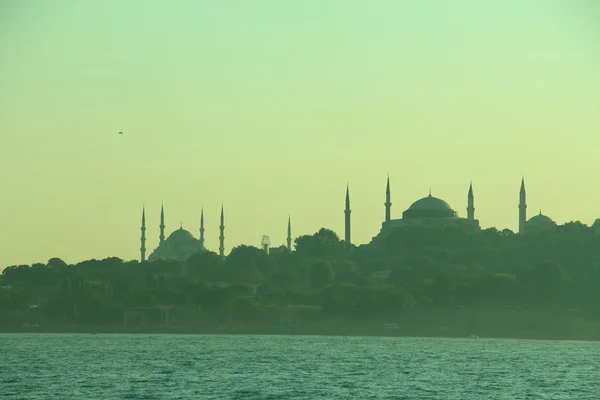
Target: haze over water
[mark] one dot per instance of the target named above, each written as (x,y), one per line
(271,107)
(37,367)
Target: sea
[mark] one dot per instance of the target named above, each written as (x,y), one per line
(138,366)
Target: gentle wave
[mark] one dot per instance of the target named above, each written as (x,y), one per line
(107,366)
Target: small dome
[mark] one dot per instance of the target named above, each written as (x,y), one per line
(430,203)
(180,235)
(541,219)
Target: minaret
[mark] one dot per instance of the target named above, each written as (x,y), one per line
(388,203)
(202,228)
(522,207)
(347,213)
(143,238)
(289,234)
(222,235)
(161,237)
(470,203)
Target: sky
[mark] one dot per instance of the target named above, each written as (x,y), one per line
(271,107)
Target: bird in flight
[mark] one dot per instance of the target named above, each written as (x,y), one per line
(120,133)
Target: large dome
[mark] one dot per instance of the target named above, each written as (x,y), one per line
(180,235)
(180,245)
(430,203)
(429,207)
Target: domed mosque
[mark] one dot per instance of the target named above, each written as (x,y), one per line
(431,211)
(180,244)
(537,223)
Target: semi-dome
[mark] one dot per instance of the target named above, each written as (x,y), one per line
(429,207)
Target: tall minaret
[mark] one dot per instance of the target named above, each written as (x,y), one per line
(522,207)
(202,228)
(289,234)
(143,238)
(470,203)
(161,237)
(222,235)
(388,203)
(347,213)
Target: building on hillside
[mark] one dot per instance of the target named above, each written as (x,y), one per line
(539,223)
(428,211)
(266,242)
(181,244)
(431,211)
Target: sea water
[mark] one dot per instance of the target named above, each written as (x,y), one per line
(114,366)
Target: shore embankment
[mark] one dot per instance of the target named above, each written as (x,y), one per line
(482,322)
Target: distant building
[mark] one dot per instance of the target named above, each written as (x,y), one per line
(429,211)
(539,223)
(181,244)
(535,224)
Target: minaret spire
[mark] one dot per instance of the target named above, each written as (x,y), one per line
(470,203)
(161,237)
(522,207)
(388,203)
(202,228)
(222,234)
(347,214)
(143,238)
(289,234)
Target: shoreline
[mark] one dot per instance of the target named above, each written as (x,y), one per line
(307,331)
(440,322)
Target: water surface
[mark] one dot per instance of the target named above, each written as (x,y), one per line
(110,366)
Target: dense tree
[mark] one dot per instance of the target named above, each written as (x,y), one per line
(321,274)
(325,244)
(205,265)
(56,263)
(414,267)
(242,265)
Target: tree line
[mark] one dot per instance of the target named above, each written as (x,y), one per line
(414,267)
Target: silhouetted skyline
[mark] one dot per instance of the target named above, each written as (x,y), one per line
(271,107)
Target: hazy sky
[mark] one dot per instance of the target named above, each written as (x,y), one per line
(270,107)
